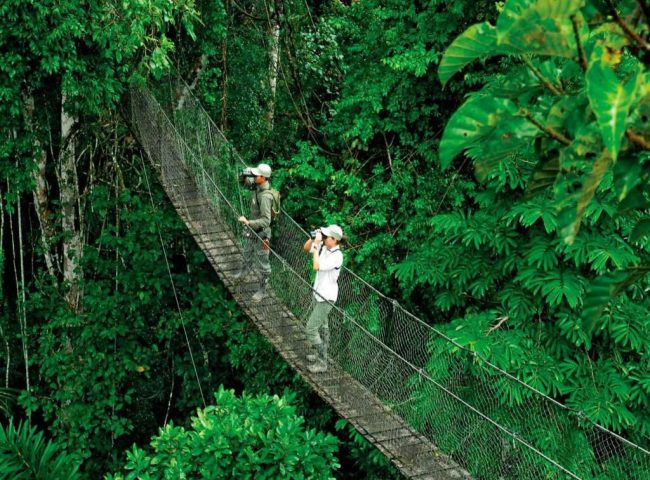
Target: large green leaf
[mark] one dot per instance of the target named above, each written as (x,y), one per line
(516,12)
(610,100)
(638,121)
(543,27)
(475,119)
(553,9)
(477,41)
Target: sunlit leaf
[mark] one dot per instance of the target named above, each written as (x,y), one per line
(610,100)
(477,41)
(475,119)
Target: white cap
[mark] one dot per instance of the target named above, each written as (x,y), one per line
(333,231)
(262,169)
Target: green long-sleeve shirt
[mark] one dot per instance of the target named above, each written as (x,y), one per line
(261,204)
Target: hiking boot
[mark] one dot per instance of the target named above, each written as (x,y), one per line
(318,367)
(318,353)
(259,295)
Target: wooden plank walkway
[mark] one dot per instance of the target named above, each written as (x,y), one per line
(414,455)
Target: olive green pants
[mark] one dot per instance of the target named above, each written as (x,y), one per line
(256,259)
(318,322)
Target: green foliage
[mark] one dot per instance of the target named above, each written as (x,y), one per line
(357,126)
(365,456)
(108,351)
(542,269)
(247,437)
(91,48)
(126,349)
(26,454)
(584,130)
(377,108)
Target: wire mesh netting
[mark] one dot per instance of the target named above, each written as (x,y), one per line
(447,393)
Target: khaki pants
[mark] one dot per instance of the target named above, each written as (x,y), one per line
(317,322)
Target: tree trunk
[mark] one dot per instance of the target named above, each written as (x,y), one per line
(187,89)
(41,204)
(22,299)
(224,72)
(274,55)
(2,263)
(41,193)
(19,279)
(69,196)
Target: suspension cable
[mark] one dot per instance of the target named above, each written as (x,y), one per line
(171,280)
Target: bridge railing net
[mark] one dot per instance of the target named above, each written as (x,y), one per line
(444,391)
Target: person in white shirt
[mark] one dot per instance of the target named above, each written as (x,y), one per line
(327,260)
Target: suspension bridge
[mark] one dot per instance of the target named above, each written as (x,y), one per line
(429,404)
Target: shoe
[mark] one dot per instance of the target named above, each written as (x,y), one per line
(318,367)
(258,296)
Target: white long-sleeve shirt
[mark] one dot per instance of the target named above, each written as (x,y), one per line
(326,284)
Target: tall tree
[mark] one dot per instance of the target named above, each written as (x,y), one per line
(63,66)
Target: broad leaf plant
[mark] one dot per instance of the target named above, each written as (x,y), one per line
(574,102)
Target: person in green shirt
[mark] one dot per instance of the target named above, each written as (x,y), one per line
(256,247)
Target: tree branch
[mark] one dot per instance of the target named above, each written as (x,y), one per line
(547,130)
(645,8)
(637,138)
(502,320)
(545,81)
(244,12)
(582,57)
(626,28)
(390,158)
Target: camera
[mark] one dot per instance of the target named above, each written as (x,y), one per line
(313,233)
(247,178)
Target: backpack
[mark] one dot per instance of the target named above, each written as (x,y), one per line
(275,204)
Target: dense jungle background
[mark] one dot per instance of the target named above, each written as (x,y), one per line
(487,160)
